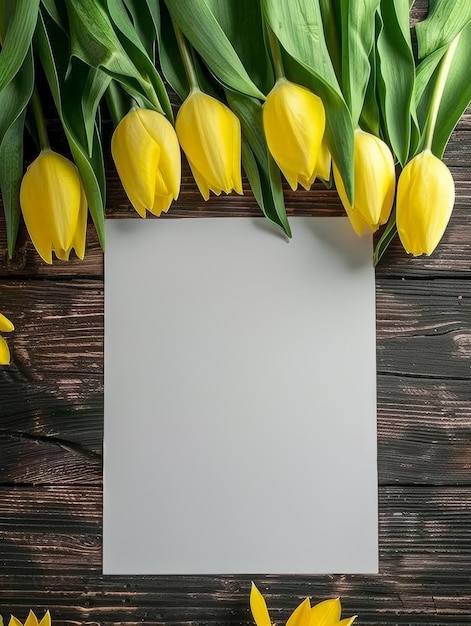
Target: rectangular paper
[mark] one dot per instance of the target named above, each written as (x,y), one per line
(240,398)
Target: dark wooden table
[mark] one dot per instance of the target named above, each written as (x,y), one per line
(51,426)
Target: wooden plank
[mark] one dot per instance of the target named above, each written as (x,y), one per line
(52,551)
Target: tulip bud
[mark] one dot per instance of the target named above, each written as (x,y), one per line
(294,124)
(425,199)
(146,154)
(210,136)
(5,326)
(54,206)
(374,181)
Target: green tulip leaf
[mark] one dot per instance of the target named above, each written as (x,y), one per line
(14,98)
(51,45)
(117,102)
(396,76)
(58,12)
(94,84)
(298,27)
(456,95)
(169,55)
(370,119)
(145,24)
(242,23)
(11,173)
(19,29)
(386,238)
(331,20)
(261,170)
(136,51)
(358,36)
(95,42)
(445,20)
(200,26)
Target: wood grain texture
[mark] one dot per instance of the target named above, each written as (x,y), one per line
(51,429)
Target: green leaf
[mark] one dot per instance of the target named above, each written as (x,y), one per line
(386,238)
(200,26)
(445,20)
(169,55)
(261,170)
(11,172)
(298,27)
(242,23)
(14,98)
(50,45)
(58,12)
(456,94)
(397,75)
(331,20)
(370,118)
(94,84)
(144,24)
(117,102)
(17,39)
(358,35)
(137,53)
(95,42)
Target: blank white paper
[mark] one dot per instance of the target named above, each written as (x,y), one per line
(240,398)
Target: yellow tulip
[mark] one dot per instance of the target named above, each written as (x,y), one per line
(294,124)
(5,326)
(374,182)
(54,206)
(31,620)
(146,153)
(210,136)
(326,613)
(425,199)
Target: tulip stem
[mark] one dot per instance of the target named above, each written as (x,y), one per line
(186,59)
(40,121)
(437,94)
(276,54)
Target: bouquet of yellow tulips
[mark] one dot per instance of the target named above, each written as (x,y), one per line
(344,92)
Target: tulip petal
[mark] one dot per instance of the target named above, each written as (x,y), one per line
(31,620)
(301,616)
(46,620)
(324,161)
(258,606)
(78,242)
(4,360)
(169,165)
(326,613)
(5,324)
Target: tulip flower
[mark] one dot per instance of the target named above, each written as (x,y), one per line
(425,199)
(374,181)
(294,124)
(54,206)
(31,620)
(326,613)
(5,326)
(210,136)
(146,153)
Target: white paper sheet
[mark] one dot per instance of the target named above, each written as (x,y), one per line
(240,398)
